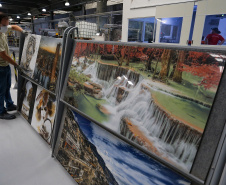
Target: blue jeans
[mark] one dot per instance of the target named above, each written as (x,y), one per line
(5,84)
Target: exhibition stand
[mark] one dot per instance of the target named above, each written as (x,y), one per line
(125,113)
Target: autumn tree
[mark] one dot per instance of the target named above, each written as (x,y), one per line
(178,69)
(205,66)
(165,64)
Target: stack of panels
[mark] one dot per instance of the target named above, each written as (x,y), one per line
(40,62)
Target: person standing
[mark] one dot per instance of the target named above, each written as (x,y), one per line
(214,38)
(5,71)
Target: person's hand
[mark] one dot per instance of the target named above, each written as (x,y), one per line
(19,69)
(25,32)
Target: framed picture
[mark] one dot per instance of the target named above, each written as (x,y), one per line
(29,54)
(28,96)
(44,113)
(48,63)
(93,156)
(159,98)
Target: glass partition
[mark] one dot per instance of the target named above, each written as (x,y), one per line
(214,32)
(170,29)
(141,30)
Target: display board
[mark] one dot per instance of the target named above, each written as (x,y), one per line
(93,156)
(44,113)
(28,99)
(41,59)
(158,98)
(48,62)
(29,54)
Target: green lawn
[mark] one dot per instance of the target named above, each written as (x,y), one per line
(189,111)
(87,104)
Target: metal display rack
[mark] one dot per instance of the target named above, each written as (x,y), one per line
(217,115)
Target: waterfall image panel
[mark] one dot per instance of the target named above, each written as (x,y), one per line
(158,98)
(27,99)
(48,62)
(44,113)
(93,156)
(29,54)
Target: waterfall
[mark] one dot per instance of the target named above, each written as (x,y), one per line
(129,97)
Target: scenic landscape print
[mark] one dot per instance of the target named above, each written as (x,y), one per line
(48,62)
(158,98)
(93,156)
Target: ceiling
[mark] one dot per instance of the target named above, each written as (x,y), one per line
(22,7)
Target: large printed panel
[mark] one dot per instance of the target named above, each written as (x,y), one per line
(158,98)
(29,54)
(28,98)
(48,62)
(44,113)
(93,156)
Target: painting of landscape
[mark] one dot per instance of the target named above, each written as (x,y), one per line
(48,62)
(93,156)
(158,98)
(29,54)
(44,113)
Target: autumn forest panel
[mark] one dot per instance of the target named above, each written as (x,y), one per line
(158,98)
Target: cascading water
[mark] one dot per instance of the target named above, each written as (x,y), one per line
(129,98)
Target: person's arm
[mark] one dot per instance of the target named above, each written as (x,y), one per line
(222,42)
(7,58)
(17,28)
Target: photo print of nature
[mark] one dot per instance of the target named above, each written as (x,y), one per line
(41,59)
(93,156)
(48,62)
(157,98)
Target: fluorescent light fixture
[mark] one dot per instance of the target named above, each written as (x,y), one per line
(17,16)
(0,5)
(44,10)
(28,13)
(10,19)
(67,3)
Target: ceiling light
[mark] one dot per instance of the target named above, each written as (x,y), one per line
(44,10)
(67,3)
(10,19)
(17,16)
(28,13)
(0,5)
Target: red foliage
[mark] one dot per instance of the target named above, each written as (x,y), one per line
(202,65)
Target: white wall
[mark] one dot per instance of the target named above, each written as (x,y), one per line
(129,13)
(149,3)
(206,7)
(158,9)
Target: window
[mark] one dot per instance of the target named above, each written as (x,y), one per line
(214,24)
(170,29)
(141,30)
